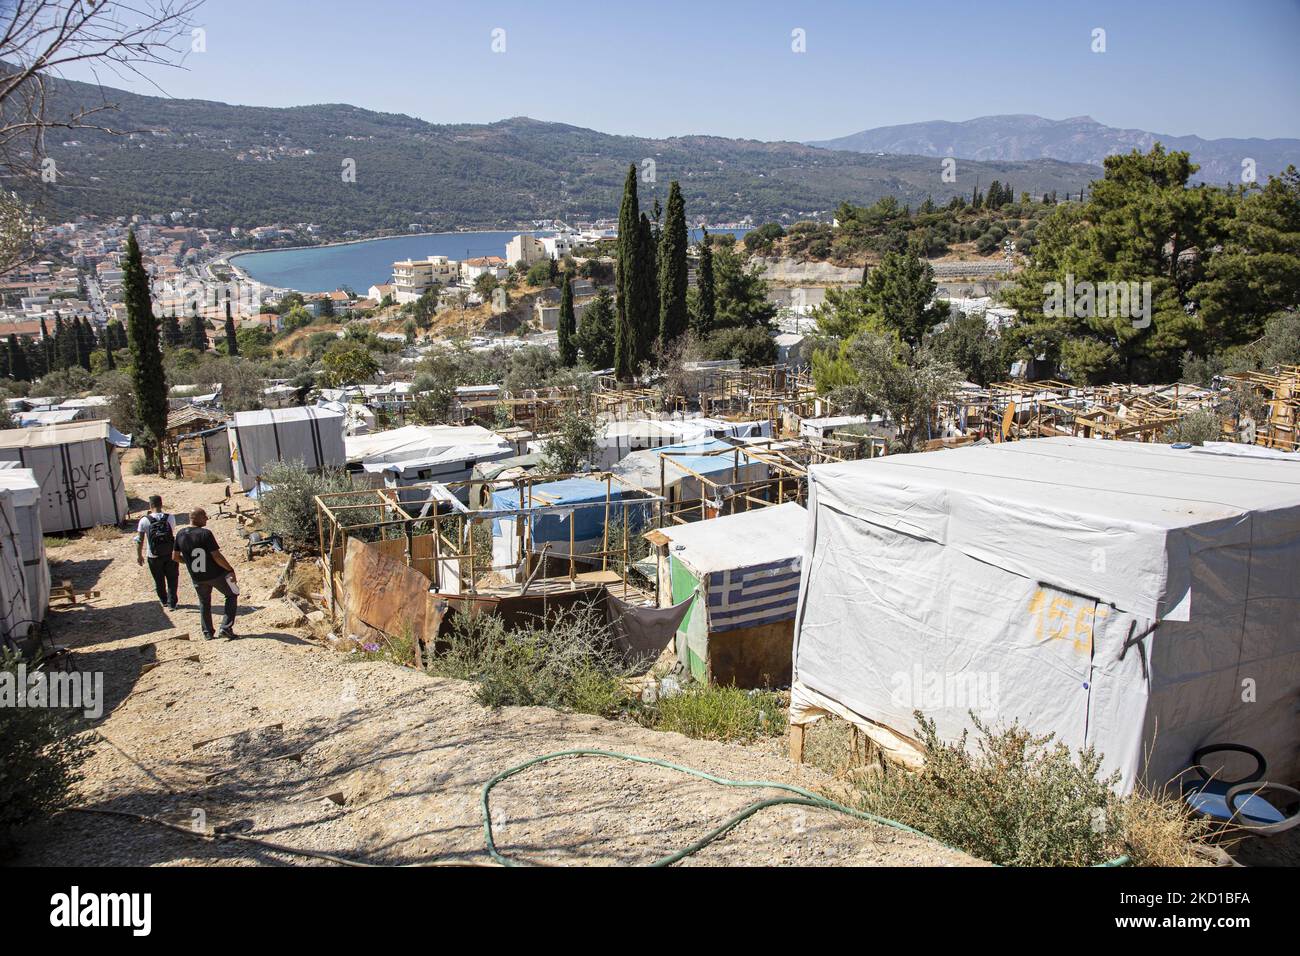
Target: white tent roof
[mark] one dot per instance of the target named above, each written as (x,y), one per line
(425,445)
(751,538)
(279,416)
(21,482)
(42,435)
(1043,508)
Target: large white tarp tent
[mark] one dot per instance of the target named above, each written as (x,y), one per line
(313,436)
(1136,598)
(24,492)
(79,469)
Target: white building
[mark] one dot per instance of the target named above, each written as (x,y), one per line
(526,249)
(413,277)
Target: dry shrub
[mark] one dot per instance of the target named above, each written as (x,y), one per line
(567,661)
(104,532)
(1020,799)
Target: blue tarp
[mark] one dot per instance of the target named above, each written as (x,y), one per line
(553,524)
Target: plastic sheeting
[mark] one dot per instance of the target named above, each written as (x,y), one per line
(78,469)
(259,439)
(1135,598)
(25,493)
(445,453)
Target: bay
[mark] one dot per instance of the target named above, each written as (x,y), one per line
(359,265)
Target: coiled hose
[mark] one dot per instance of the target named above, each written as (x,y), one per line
(800,798)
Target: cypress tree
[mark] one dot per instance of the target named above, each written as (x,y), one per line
(198,334)
(706,308)
(672,268)
(147,374)
(625,341)
(65,340)
(18,366)
(568,326)
(172,329)
(85,338)
(47,348)
(232,340)
(647,289)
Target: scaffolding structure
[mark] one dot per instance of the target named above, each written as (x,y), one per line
(429,529)
(1280,392)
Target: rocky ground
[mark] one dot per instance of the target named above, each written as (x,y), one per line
(276,737)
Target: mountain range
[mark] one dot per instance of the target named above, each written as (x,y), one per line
(247,166)
(1080,139)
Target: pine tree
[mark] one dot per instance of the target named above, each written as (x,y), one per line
(706,308)
(672,268)
(625,335)
(232,340)
(147,374)
(568,326)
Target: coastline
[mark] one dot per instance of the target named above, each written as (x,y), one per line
(356,242)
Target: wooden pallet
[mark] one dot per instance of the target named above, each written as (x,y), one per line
(64,591)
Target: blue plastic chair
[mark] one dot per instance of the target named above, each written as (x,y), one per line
(1238,802)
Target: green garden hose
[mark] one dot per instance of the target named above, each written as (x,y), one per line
(802,798)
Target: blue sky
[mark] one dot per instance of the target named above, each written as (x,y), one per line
(725,67)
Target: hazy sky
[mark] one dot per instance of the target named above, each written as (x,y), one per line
(726,67)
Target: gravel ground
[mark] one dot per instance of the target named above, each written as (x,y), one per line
(276,737)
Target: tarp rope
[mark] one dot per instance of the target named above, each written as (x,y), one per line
(801,798)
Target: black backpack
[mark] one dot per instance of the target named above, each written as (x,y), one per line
(161,540)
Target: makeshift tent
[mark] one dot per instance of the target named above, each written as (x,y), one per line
(743,572)
(23,546)
(204,453)
(79,469)
(424,453)
(681,466)
(49,416)
(259,439)
(621,438)
(1132,597)
(569,515)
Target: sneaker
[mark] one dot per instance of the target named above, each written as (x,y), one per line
(228,635)
(171,607)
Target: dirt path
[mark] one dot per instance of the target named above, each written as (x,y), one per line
(371,761)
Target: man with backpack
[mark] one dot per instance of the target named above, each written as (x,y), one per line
(155,536)
(198,550)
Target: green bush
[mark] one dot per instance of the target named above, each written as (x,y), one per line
(567,662)
(289,506)
(1196,427)
(720,713)
(1021,800)
(40,756)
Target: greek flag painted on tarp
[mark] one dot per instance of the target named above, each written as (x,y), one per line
(747,597)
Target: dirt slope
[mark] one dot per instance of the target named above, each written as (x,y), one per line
(383,764)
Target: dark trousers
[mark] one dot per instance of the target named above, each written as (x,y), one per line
(205,589)
(166,575)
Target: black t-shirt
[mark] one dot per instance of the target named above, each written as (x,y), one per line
(196,546)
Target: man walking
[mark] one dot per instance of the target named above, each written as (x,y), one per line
(197,549)
(155,537)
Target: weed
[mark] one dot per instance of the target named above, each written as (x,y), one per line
(720,713)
